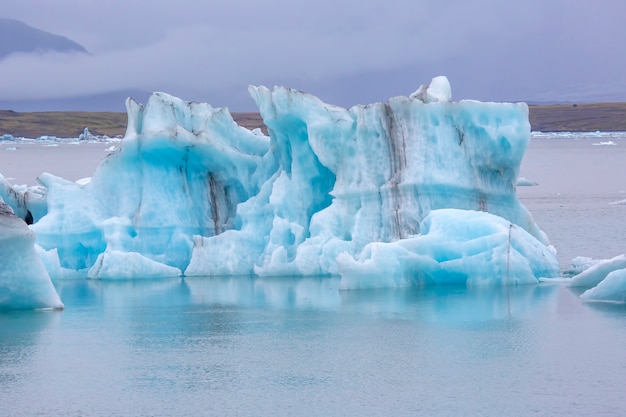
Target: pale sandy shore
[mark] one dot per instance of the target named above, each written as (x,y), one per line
(22,163)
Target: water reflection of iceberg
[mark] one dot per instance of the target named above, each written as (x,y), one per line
(160,292)
(241,291)
(20,338)
(453,303)
(272,292)
(443,303)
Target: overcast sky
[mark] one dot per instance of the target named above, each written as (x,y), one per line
(346,52)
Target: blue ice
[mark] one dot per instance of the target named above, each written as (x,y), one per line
(604,280)
(24,282)
(428,182)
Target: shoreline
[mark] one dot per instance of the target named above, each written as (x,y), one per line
(591,117)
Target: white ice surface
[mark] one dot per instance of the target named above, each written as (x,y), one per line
(611,288)
(605,280)
(455,247)
(24,281)
(593,275)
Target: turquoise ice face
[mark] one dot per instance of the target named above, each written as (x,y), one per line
(190,192)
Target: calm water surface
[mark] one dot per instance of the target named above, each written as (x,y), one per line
(249,347)
(581,179)
(239,346)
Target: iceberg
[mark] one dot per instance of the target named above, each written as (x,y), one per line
(523,182)
(611,288)
(24,281)
(605,280)
(385,167)
(598,271)
(420,189)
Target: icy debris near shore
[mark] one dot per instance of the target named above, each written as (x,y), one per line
(24,281)
(85,136)
(190,190)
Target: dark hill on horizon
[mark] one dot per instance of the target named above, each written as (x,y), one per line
(18,37)
(72,124)
(547,118)
(588,117)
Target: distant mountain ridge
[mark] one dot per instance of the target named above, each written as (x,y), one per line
(18,37)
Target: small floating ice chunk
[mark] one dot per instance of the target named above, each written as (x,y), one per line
(593,275)
(619,203)
(11,148)
(523,182)
(605,143)
(612,288)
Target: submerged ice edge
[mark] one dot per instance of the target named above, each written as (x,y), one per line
(191,192)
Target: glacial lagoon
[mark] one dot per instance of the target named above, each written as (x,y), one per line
(243,346)
(300,346)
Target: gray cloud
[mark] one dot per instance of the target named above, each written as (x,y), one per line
(491,50)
